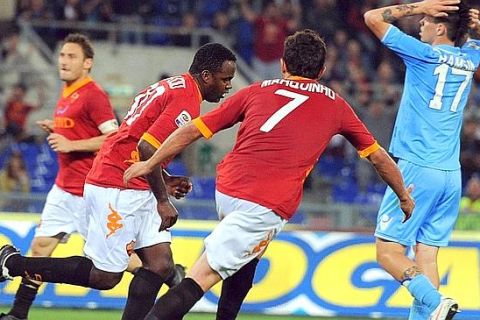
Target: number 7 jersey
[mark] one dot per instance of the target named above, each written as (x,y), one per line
(437,84)
(286,125)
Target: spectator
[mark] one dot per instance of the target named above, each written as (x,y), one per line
(185,36)
(270,29)
(324,18)
(17,111)
(470,202)
(385,85)
(470,148)
(38,9)
(14,176)
(469,217)
(221,24)
(379,120)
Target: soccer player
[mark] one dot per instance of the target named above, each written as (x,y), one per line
(286,125)
(426,140)
(125,219)
(82,119)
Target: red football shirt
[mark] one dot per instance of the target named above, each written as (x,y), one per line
(16,113)
(154,115)
(81,109)
(286,125)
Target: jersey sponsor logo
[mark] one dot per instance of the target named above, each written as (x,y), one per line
(63,122)
(183,118)
(114,220)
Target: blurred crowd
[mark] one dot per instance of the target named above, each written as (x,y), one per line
(369,76)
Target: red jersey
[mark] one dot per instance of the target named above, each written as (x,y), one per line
(286,125)
(154,115)
(16,113)
(269,38)
(82,108)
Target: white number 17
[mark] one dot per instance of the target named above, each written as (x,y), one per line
(442,72)
(281,113)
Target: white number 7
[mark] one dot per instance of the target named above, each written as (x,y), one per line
(281,113)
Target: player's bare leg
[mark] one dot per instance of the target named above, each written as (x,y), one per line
(179,300)
(426,259)
(391,256)
(27,291)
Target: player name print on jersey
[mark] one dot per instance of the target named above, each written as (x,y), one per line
(455,61)
(304,86)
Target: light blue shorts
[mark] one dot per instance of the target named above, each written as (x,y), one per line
(437,196)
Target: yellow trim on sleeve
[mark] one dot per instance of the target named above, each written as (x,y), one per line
(152,140)
(368,151)
(204,130)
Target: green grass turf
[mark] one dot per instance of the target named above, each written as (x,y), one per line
(94,314)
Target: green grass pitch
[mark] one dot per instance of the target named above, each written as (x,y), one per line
(94,314)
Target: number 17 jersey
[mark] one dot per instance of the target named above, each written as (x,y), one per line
(437,84)
(286,125)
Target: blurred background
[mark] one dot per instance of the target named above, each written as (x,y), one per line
(328,242)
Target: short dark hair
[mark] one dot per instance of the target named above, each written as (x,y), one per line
(304,54)
(83,41)
(211,57)
(457,24)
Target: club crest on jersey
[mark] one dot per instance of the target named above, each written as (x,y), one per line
(183,118)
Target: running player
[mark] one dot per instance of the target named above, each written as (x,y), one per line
(124,219)
(286,125)
(82,119)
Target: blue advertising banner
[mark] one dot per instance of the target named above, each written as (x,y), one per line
(302,273)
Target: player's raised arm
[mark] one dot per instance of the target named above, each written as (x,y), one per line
(379,20)
(173,145)
(388,170)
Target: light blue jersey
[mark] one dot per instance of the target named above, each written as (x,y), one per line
(426,138)
(437,84)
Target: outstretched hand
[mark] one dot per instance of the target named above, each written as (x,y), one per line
(137,169)
(407,204)
(439,8)
(46,125)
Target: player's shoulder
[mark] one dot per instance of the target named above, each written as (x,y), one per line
(472,44)
(179,85)
(95,88)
